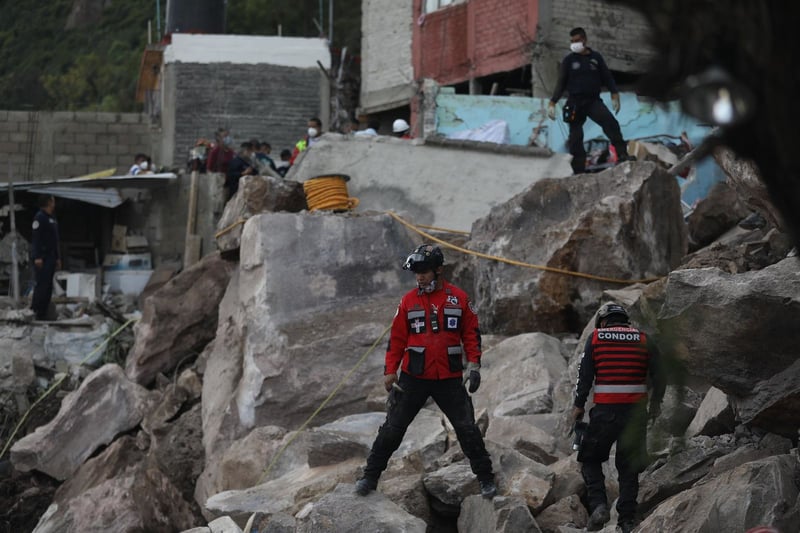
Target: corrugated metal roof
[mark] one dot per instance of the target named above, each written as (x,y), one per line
(103,191)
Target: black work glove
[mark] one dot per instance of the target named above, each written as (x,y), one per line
(473,376)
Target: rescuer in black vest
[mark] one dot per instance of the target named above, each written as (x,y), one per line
(618,359)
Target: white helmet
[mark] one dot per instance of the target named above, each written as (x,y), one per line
(399,126)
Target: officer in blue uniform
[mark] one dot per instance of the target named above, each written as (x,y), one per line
(45,255)
(583,73)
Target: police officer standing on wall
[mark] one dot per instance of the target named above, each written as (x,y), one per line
(45,254)
(618,359)
(583,73)
(434,327)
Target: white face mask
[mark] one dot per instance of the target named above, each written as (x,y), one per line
(577,47)
(143,165)
(312,132)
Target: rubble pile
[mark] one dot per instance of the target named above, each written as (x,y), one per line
(197,430)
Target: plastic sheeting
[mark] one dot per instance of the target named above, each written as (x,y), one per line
(494,131)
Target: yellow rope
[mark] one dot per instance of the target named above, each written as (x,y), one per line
(322,405)
(223,231)
(519,263)
(58,382)
(328,192)
(445,230)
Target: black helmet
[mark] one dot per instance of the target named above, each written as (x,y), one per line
(424,258)
(612,310)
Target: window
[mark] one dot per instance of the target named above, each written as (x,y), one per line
(433,5)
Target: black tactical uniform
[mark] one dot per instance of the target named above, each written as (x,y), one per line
(45,247)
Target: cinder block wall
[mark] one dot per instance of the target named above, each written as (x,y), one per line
(44,145)
(268,102)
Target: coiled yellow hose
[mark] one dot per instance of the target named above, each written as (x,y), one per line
(328,192)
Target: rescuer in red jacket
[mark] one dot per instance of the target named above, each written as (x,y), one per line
(618,358)
(434,330)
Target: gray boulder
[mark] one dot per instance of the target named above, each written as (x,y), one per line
(256,194)
(565,512)
(117,491)
(774,404)
(714,417)
(501,515)
(105,404)
(340,510)
(667,477)
(519,373)
(73,345)
(758,493)
(178,319)
(286,494)
(718,324)
(571,224)
(714,215)
(296,315)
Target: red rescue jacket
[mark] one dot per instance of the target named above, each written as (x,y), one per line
(431,333)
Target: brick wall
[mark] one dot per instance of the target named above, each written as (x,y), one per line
(473,39)
(387,77)
(48,145)
(268,102)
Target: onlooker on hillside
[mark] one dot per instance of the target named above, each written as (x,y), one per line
(222,153)
(283,167)
(141,165)
(312,136)
(241,165)
(583,74)
(262,157)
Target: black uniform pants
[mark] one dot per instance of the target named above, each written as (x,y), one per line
(625,424)
(452,398)
(596,110)
(43,290)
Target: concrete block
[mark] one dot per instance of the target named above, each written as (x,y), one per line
(18,116)
(85,138)
(107,118)
(63,116)
(97,149)
(18,136)
(107,161)
(131,118)
(94,127)
(9,147)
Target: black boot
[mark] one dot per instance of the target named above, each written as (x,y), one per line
(488,489)
(365,485)
(598,518)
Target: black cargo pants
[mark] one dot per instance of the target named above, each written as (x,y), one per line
(596,110)
(452,398)
(625,424)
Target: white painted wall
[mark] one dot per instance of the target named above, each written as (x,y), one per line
(299,52)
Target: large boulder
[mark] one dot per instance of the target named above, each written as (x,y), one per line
(678,472)
(733,330)
(286,494)
(501,515)
(314,292)
(179,319)
(256,194)
(774,404)
(518,375)
(341,511)
(713,417)
(762,492)
(105,404)
(623,223)
(117,491)
(714,215)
